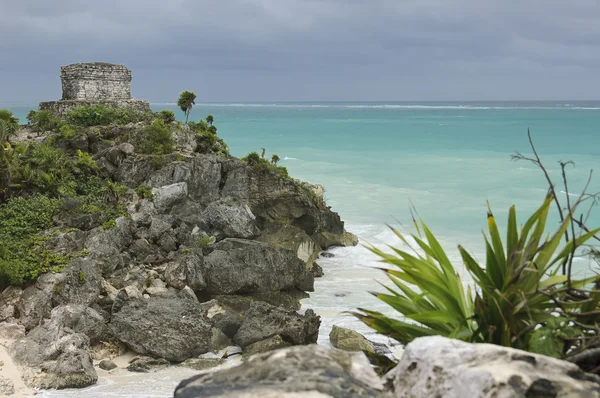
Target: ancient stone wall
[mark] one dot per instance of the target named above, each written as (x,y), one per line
(95,81)
(60,108)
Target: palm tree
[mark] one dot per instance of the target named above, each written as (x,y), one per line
(262,155)
(275,159)
(210,119)
(185,102)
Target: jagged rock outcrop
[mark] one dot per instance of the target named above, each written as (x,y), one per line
(208,229)
(263,320)
(173,328)
(438,366)
(307,371)
(54,355)
(242,266)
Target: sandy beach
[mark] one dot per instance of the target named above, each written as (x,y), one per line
(12,372)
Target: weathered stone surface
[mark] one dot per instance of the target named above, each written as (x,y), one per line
(147,364)
(169,195)
(9,300)
(107,365)
(241,266)
(317,270)
(165,327)
(86,84)
(54,357)
(266,345)
(202,363)
(437,366)
(36,301)
(124,295)
(263,320)
(80,283)
(11,331)
(349,340)
(7,387)
(222,317)
(229,218)
(81,319)
(186,271)
(307,371)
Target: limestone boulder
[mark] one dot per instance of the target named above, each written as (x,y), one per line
(350,340)
(173,328)
(438,366)
(309,371)
(186,271)
(241,266)
(229,218)
(54,357)
(263,320)
(9,300)
(168,196)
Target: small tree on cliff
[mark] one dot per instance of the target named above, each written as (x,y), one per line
(185,102)
(210,119)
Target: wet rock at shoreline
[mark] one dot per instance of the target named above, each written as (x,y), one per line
(263,320)
(306,371)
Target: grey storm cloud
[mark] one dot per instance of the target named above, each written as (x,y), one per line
(266,50)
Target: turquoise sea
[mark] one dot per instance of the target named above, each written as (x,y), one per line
(447,159)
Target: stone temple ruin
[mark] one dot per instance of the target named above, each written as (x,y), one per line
(92,83)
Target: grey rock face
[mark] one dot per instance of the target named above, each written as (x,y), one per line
(9,300)
(266,345)
(263,320)
(307,371)
(186,271)
(81,319)
(147,364)
(54,357)
(80,283)
(239,266)
(169,195)
(36,301)
(437,366)
(230,218)
(170,328)
(11,331)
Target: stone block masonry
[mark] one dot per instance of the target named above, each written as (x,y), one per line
(93,83)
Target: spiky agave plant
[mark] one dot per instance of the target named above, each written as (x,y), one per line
(515,292)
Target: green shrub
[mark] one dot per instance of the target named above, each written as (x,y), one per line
(157,139)
(145,192)
(94,115)
(514,294)
(41,121)
(23,255)
(206,242)
(167,116)
(109,224)
(212,129)
(102,115)
(259,163)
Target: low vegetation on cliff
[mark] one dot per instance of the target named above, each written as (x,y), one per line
(56,177)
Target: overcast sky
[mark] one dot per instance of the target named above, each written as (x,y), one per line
(309,50)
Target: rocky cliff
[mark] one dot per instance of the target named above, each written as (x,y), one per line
(209,250)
